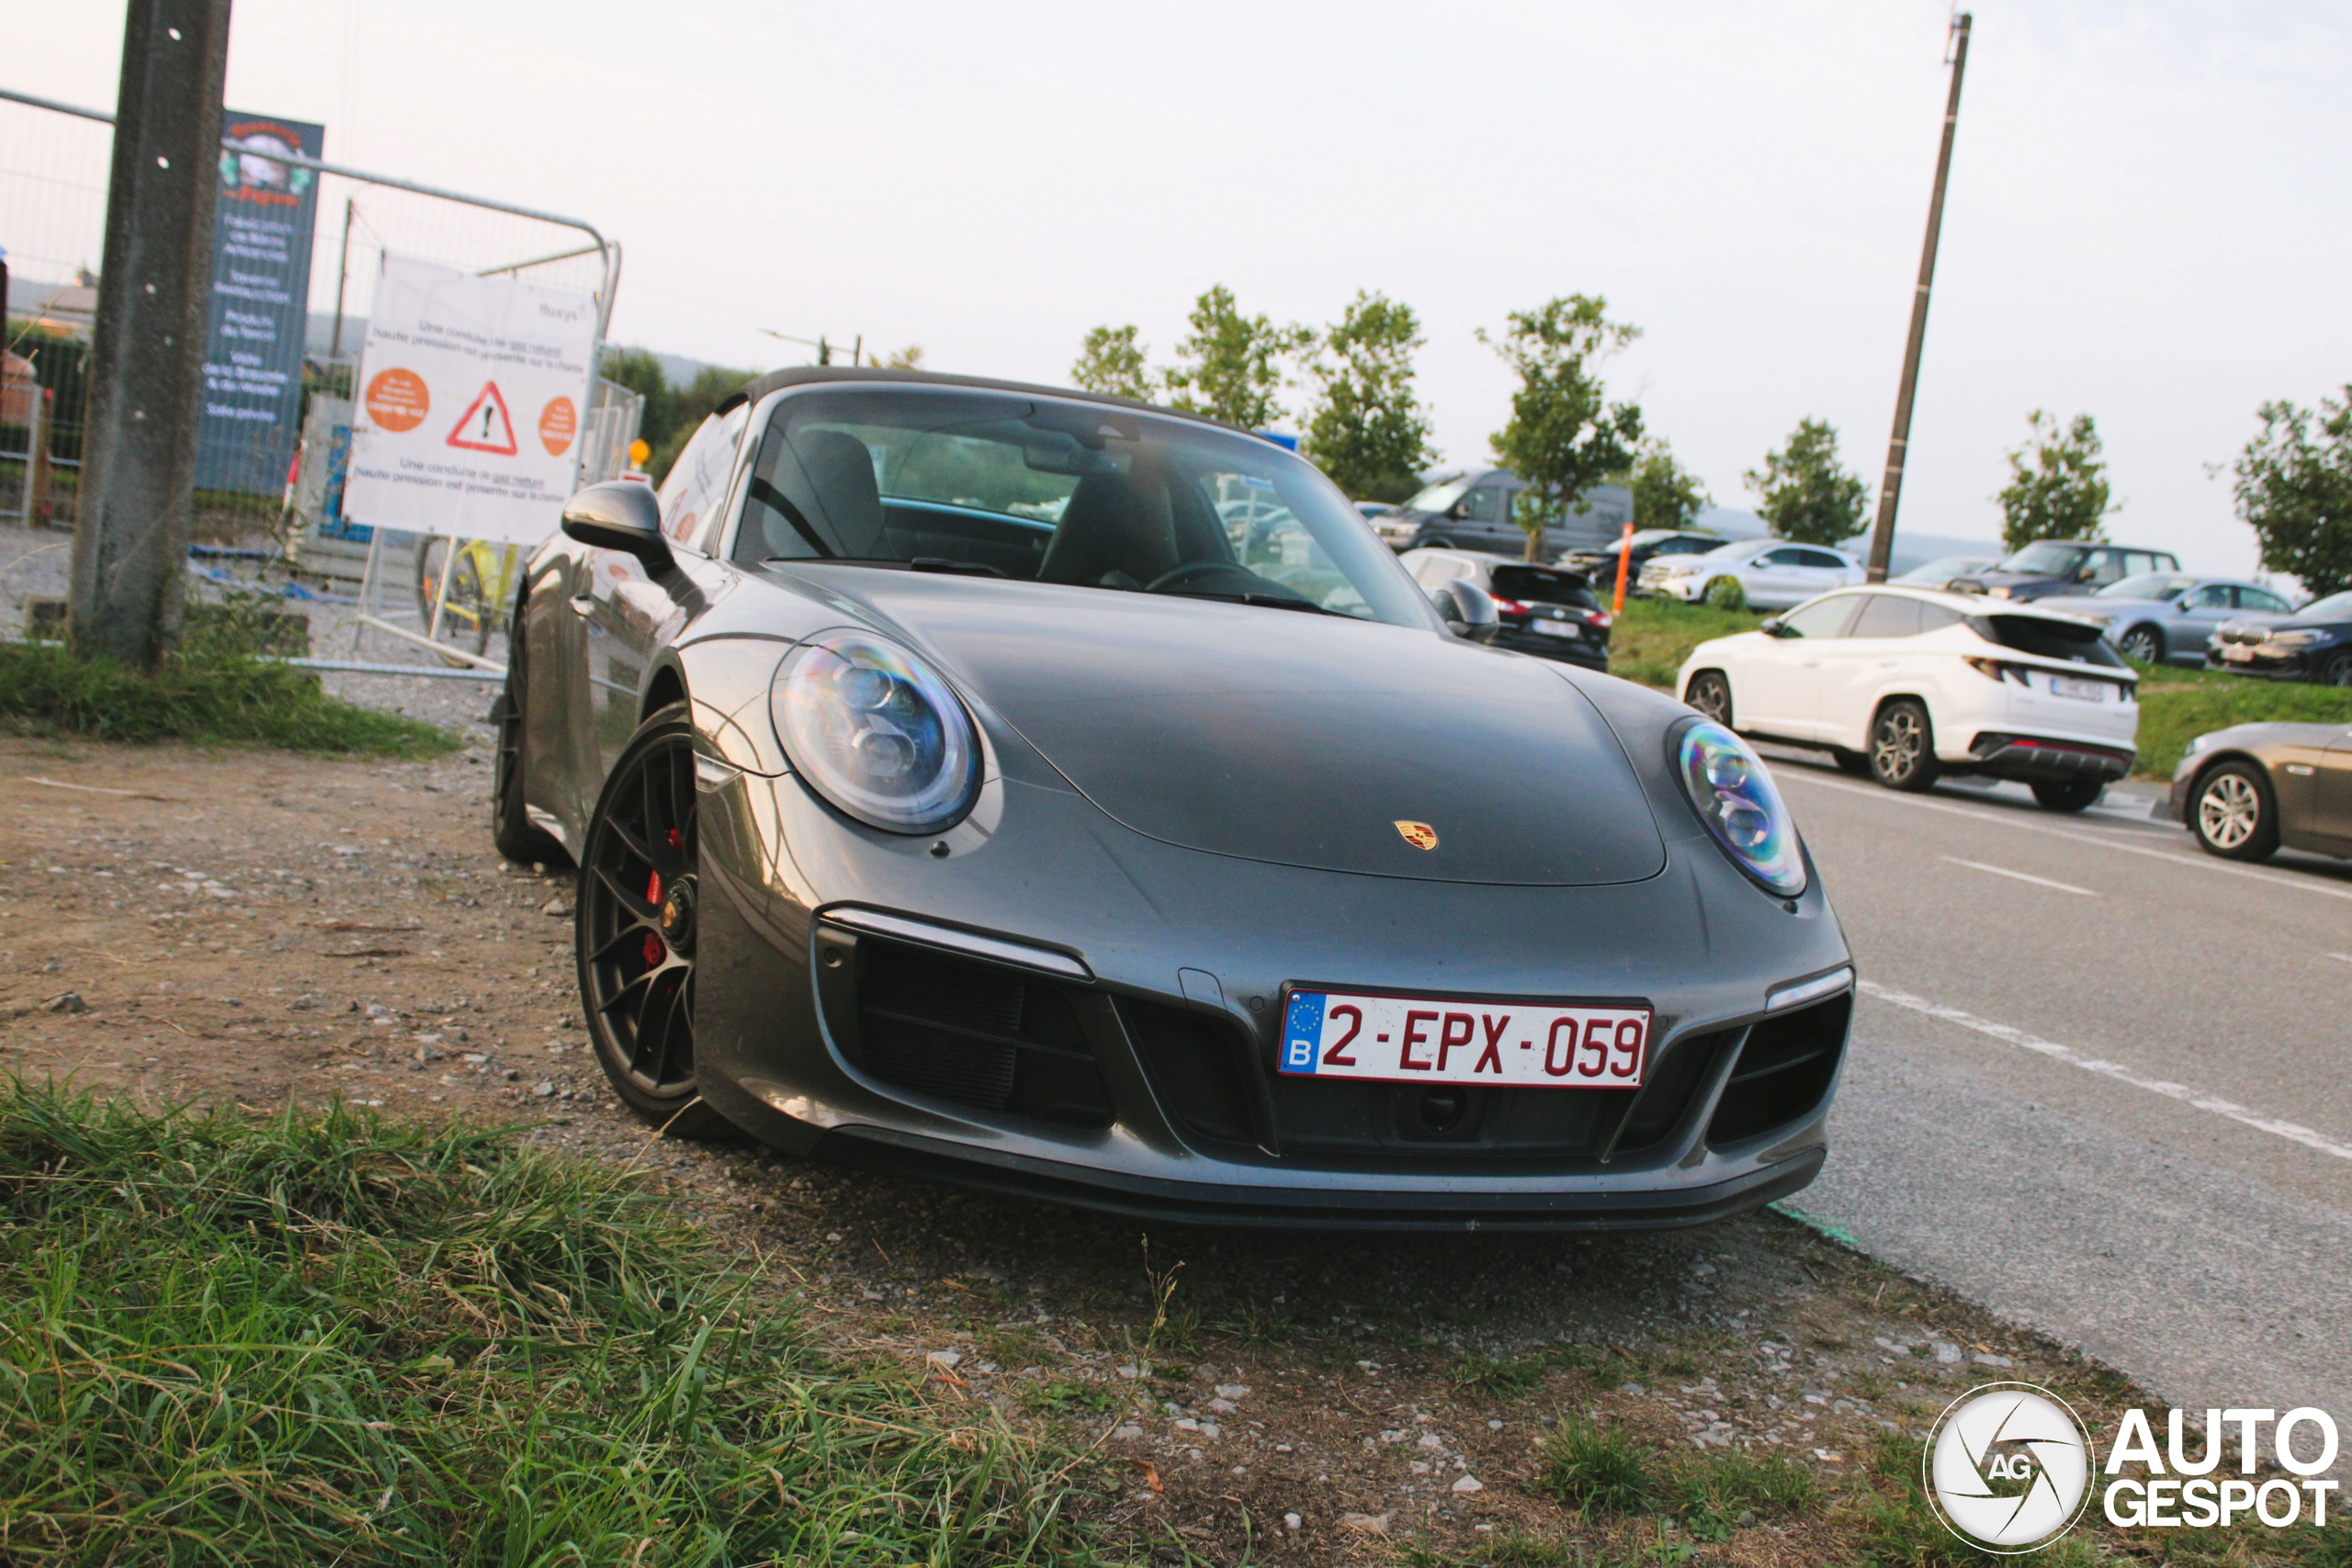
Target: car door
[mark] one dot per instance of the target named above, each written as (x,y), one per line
(628,613)
(1855,668)
(1777,578)
(2332,797)
(1776,688)
(2198,614)
(1474,521)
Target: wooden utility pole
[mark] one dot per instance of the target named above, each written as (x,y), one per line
(1891,492)
(147,350)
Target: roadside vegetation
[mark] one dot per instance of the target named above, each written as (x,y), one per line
(213,690)
(1653,638)
(330,1337)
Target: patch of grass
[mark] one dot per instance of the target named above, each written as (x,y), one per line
(1508,1375)
(205,696)
(323,1338)
(1712,1492)
(1653,637)
(1593,1468)
(1510,1549)
(2174,712)
(1069,1393)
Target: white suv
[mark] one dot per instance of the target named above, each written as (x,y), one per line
(1906,684)
(1772,574)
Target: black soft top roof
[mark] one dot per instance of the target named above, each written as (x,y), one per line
(760,387)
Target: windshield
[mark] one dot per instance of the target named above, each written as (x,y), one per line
(2334,607)
(1046,490)
(2052,639)
(1440,496)
(2046,556)
(1943,570)
(2161,586)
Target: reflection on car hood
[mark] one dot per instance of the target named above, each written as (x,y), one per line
(1297,739)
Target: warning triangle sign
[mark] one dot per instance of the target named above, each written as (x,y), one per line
(485,425)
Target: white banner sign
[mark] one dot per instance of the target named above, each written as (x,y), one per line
(471,392)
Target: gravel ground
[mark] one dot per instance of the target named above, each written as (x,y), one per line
(178,924)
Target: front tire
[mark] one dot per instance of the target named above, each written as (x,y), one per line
(2235,814)
(635,927)
(2068,794)
(2144,645)
(2336,671)
(1902,747)
(1711,694)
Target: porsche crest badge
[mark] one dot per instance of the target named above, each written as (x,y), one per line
(1421,835)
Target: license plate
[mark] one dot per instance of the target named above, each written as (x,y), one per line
(1342,1034)
(2084,691)
(2237,654)
(1554,628)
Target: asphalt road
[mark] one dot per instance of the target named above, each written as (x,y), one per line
(2099,1080)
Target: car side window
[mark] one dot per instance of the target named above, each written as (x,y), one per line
(1481,504)
(1888,614)
(2261,599)
(1821,559)
(2104,567)
(696,483)
(1935,617)
(2212,596)
(1786,556)
(1823,617)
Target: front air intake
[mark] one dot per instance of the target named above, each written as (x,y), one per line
(1783,1072)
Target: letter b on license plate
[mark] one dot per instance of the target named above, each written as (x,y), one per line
(1345,1034)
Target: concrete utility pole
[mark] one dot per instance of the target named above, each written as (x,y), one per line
(147,354)
(1891,492)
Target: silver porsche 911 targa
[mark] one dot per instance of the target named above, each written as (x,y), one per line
(1074,799)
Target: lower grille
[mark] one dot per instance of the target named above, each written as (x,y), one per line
(973,1033)
(1784,1070)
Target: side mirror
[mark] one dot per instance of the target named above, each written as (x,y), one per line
(619,514)
(1468,609)
(1772,626)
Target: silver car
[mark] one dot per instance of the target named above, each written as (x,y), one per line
(2165,617)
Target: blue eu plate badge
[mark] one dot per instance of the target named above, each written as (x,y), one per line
(1301,1032)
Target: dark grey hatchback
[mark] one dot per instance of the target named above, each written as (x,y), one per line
(1073,798)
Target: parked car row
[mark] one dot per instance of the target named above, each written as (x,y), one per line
(2312,644)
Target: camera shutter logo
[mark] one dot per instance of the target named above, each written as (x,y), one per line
(2008,1467)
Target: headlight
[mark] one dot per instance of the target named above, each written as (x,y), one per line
(2196,744)
(1734,795)
(2297,638)
(875,731)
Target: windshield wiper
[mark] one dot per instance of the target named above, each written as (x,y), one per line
(961,568)
(1271,601)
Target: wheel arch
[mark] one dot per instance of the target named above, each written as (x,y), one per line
(667,687)
(2214,759)
(1907,692)
(2154,630)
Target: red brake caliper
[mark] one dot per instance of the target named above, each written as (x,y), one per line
(654,950)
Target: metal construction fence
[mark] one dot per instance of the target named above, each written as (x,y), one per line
(251,505)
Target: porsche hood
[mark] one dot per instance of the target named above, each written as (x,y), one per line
(1302,740)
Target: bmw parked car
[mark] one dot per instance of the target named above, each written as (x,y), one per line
(1600,565)
(1073,798)
(2049,567)
(2245,791)
(2167,617)
(1906,686)
(1481,509)
(1771,574)
(1542,610)
(2313,644)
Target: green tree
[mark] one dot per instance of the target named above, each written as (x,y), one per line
(1563,438)
(1367,430)
(1111,361)
(694,401)
(1665,494)
(1230,367)
(2295,492)
(2057,487)
(1807,495)
(907,358)
(640,372)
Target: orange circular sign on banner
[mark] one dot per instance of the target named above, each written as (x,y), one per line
(558,422)
(397,401)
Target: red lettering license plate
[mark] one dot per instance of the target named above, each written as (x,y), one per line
(1339,1034)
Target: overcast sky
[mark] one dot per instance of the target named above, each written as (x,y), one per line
(2147,218)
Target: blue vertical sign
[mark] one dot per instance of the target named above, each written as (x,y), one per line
(261,306)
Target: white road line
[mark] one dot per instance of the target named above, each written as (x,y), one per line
(2021,876)
(2099,840)
(2340,957)
(2294,1132)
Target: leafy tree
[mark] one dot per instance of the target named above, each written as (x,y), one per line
(640,372)
(1230,367)
(907,358)
(2057,487)
(1367,430)
(2295,492)
(1111,361)
(1665,494)
(694,401)
(1807,494)
(1562,438)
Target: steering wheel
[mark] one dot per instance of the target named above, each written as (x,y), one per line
(1189,571)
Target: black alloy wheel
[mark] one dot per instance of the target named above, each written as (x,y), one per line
(1711,694)
(2144,645)
(636,928)
(2068,794)
(2338,671)
(1903,746)
(2233,813)
(511,828)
